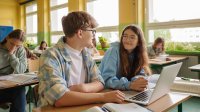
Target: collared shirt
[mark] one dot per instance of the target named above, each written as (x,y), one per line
(54,72)
(109,68)
(12,63)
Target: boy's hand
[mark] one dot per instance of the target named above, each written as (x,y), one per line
(113,96)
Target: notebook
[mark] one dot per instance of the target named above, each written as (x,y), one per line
(19,78)
(113,107)
(162,86)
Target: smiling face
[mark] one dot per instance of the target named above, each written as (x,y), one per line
(159,46)
(129,40)
(44,45)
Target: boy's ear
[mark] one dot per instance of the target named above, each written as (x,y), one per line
(79,33)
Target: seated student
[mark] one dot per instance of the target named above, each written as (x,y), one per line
(43,46)
(67,74)
(125,61)
(92,49)
(40,49)
(13,60)
(157,48)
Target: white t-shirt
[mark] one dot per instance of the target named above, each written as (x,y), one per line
(78,71)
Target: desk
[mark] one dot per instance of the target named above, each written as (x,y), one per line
(195,68)
(157,65)
(9,84)
(165,103)
(174,59)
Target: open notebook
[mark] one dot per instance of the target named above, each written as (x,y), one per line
(113,107)
(19,78)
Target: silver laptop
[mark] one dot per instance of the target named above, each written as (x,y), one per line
(162,87)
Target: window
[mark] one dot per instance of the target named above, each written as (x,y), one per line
(59,8)
(31,22)
(176,20)
(108,25)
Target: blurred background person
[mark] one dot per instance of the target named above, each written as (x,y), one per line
(157,48)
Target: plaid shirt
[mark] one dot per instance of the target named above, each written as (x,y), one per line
(54,66)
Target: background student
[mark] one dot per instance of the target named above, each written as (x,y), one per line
(67,74)
(13,60)
(92,49)
(157,48)
(43,46)
(40,49)
(126,60)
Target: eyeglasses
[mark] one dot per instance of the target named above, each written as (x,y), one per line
(93,31)
(130,38)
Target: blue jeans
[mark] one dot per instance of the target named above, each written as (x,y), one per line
(17,98)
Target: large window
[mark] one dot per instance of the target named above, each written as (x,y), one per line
(59,8)
(31,23)
(176,20)
(107,19)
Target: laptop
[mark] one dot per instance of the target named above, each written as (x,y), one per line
(162,87)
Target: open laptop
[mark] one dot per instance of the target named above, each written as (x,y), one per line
(162,87)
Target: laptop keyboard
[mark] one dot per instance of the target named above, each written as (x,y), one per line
(143,96)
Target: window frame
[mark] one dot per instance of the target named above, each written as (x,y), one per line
(53,8)
(190,23)
(32,13)
(105,28)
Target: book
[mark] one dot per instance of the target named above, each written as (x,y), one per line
(113,107)
(186,85)
(19,78)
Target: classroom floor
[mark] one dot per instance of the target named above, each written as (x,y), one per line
(191,105)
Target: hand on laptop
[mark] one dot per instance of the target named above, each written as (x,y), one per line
(113,96)
(140,84)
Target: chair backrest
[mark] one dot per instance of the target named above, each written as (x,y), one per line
(33,65)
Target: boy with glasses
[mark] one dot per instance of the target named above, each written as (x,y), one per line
(67,75)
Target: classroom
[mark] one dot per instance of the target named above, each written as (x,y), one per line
(99,55)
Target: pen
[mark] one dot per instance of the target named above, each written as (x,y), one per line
(183,78)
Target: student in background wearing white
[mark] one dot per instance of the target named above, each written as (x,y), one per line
(40,49)
(67,74)
(124,61)
(13,60)
(157,48)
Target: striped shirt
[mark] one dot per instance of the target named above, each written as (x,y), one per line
(54,72)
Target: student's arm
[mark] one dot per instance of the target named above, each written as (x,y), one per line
(139,84)
(72,98)
(18,60)
(88,87)
(109,68)
(53,88)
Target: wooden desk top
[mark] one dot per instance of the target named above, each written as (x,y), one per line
(165,103)
(173,59)
(195,68)
(10,84)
